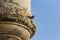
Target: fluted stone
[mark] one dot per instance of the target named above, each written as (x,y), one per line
(16,20)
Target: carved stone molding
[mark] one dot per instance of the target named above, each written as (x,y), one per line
(11,13)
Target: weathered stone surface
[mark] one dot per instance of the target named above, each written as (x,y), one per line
(16,20)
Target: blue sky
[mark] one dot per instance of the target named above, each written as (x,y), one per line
(47,19)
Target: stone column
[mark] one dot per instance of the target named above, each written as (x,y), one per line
(16,20)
